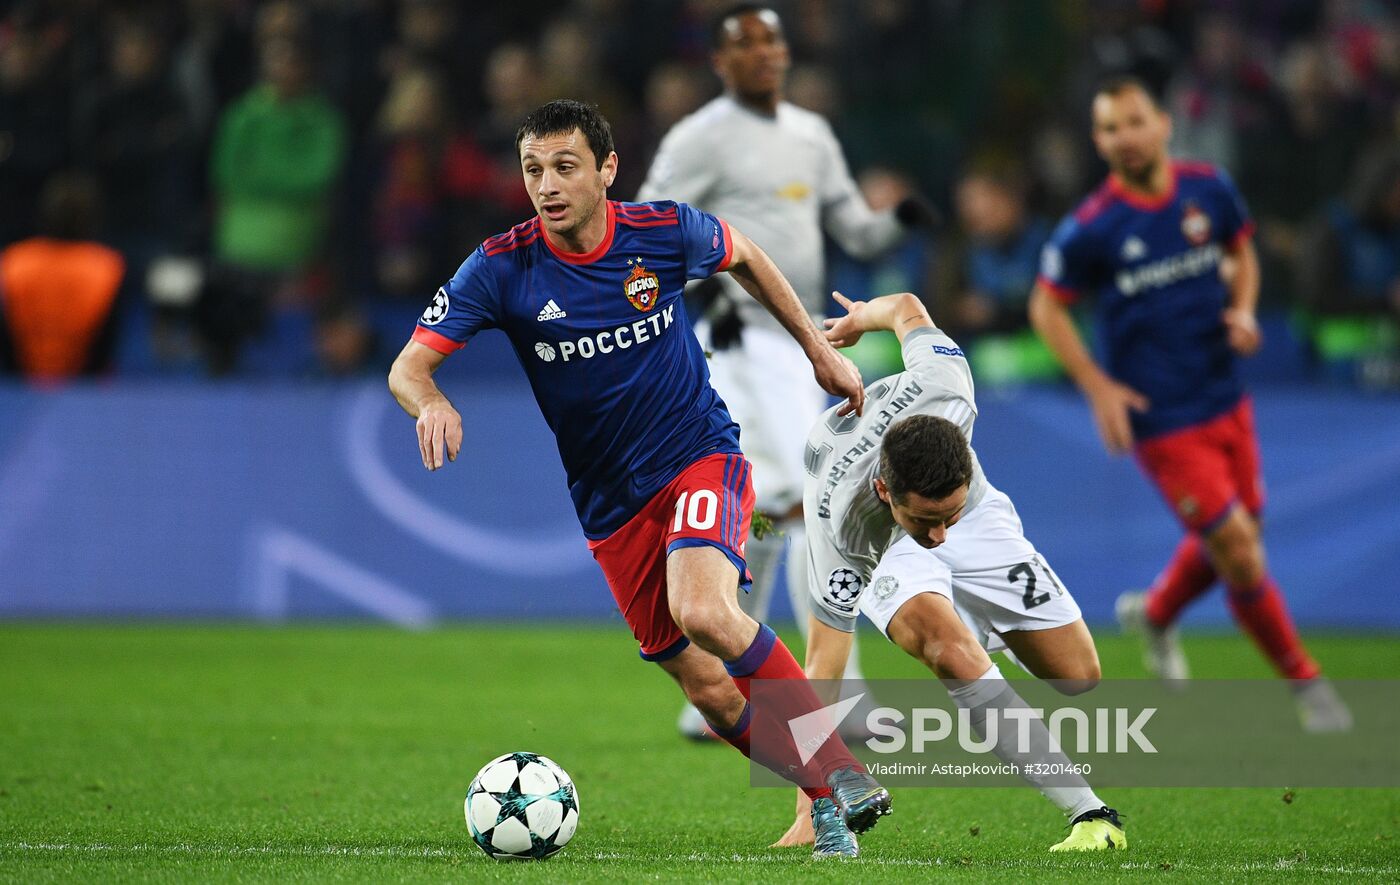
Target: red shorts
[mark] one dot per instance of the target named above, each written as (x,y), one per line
(709,504)
(1204,469)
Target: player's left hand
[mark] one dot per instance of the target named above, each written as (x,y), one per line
(1242,331)
(844,331)
(800,833)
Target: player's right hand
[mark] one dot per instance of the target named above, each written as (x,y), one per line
(1111,402)
(838,376)
(439,433)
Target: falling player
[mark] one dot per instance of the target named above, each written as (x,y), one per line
(1165,247)
(777,171)
(903,526)
(589,292)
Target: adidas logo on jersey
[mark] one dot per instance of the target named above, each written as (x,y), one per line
(551,311)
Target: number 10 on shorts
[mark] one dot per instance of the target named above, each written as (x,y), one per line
(696,510)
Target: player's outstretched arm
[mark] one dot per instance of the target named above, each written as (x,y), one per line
(439,424)
(761,278)
(901,314)
(1109,399)
(827,650)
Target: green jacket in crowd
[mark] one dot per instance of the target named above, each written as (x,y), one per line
(274,164)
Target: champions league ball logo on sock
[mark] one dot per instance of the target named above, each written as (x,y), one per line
(642,286)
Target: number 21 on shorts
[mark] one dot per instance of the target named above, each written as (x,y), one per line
(697,510)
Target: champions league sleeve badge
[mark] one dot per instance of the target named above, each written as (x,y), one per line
(437,311)
(843,587)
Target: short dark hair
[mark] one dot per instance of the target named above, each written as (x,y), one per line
(717,33)
(1117,84)
(926,455)
(564,115)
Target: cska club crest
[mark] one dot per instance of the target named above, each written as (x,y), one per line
(642,287)
(1195,224)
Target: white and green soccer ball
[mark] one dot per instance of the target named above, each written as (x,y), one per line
(522,806)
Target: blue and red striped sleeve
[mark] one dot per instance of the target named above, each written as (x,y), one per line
(709,247)
(1066,270)
(466,305)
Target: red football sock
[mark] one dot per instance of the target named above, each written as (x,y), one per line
(737,736)
(768,658)
(1187,576)
(1261,612)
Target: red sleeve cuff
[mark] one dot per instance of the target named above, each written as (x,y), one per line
(1241,236)
(728,247)
(439,342)
(1062,294)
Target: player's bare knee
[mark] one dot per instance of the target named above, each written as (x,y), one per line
(700,627)
(1240,560)
(1078,678)
(708,624)
(958,657)
(1236,551)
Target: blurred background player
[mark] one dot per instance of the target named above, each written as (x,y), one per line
(777,171)
(1165,246)
(662,492)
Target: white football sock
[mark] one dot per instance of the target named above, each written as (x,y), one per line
(1067,791)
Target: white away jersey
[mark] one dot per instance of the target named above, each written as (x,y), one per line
(848,527)
(780,180)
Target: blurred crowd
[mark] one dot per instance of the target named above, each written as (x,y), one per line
(276,187)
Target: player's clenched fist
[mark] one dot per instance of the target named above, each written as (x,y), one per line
(439,433)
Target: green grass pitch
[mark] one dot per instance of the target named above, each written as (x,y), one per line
(342,753)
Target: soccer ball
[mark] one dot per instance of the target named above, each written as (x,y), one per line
(522,806)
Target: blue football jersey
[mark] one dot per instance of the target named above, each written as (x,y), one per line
(607,346)
(1154,268)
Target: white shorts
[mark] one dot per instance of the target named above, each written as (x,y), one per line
(768,385)
(994,577)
